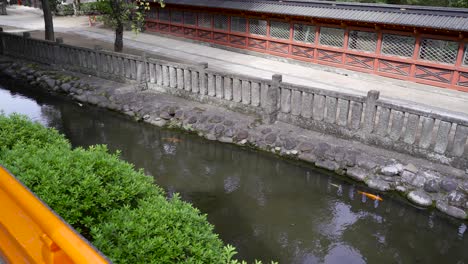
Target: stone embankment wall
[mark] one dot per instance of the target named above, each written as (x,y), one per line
(408,129)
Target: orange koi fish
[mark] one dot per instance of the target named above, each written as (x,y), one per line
(372,196)
(172,140)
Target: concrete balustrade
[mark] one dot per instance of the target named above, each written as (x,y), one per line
(413,129)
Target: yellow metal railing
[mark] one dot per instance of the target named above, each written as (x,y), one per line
(30,232)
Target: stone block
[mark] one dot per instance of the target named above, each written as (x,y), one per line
(211,85)
(356,114)
(384,120)
(398,119)
(420,198)
(228,88)
(180,79)
(331,108)
(327,164)
(318,107)
(187,80)
(296,102)
(459,140)
(219,86)
(451,210)
(255,93)
(442,138)
(379,185)
(246,92)
(285,100)
(357,173)
(426,132)
(411,129)
(343,110)
(306,106)
(236,90)
(195,82)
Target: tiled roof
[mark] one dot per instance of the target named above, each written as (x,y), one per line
(415,16)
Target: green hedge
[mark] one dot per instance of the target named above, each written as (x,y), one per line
(114,206)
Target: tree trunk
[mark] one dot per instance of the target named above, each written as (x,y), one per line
(3,5)
(76,7)
(118,44)
(49,24)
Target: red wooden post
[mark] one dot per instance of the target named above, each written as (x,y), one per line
(316,42)
(268,35)
(415,57)
(291,37)
(378,50)
(458,63)
(345,45)
(229,30)
(247,30)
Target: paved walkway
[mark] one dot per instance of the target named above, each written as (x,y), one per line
(316,76)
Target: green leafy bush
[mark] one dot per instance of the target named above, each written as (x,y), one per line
(18,129)
(94,190)
(189,240)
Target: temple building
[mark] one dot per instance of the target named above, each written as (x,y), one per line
(427,45)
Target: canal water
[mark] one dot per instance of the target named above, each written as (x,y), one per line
(269,208)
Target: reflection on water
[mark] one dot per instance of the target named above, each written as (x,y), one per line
(268,208)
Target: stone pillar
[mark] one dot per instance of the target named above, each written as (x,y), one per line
(202,78)
(26,37)
(141,77)
(1,40)
(271,101)
(172,77)
(57,53)
(459,140)
(97,61)
(370,111)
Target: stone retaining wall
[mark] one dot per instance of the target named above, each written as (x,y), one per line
(422,182)
(436,135)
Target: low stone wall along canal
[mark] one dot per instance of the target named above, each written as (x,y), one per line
(423,182)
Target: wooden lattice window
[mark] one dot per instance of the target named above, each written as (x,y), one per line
(258,27)
(176,16)
(333,37)
(304,33)
(437,50)
(152,13)
(164,15)
(220,22)
(204,20)
(279,30)
(362,41)
(398,45)
(190,18)
(238,24)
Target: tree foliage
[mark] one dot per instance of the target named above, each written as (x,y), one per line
(120,13)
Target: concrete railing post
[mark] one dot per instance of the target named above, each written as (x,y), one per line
(97,60)
(26,37)
(1,41)
(271,101)
(203,79)
(370,111)
(57,55)
(141,72)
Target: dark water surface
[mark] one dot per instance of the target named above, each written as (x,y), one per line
(267,207)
